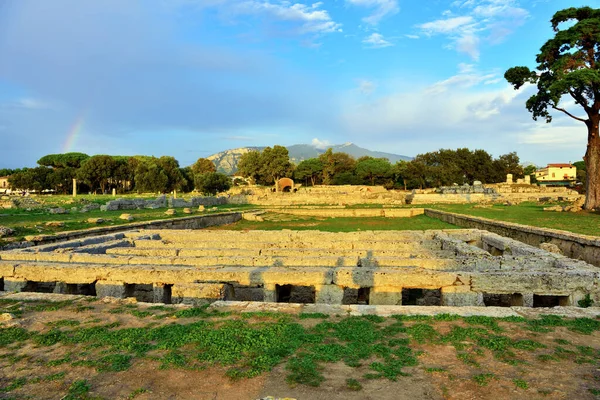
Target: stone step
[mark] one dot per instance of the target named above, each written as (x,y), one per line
(278,252)
(320,244)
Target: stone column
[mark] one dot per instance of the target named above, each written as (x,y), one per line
(528,179)
(114,192)
(74,187)
(509,179)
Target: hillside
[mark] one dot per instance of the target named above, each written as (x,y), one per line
(226,161)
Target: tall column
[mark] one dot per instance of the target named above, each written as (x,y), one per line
(74,187)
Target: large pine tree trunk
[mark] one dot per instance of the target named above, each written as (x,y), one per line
(592,164)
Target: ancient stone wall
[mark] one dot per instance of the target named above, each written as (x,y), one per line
(582,247)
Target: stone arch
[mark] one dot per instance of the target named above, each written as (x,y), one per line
(285,185)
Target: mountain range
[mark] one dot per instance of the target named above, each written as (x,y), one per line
(226,161)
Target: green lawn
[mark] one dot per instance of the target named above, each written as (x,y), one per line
(587,223)
(82,341)
(32,222)
(347,224)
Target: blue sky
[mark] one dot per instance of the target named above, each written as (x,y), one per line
(189,78)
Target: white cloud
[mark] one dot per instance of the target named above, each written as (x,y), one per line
(312,18)
(467,77)
(376,41)
(382,8)
(445,26)
(412,36)
(484,21)
(321,144)
(366,86)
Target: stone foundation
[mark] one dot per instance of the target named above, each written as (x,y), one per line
(419,268)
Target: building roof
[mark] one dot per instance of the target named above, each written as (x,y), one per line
(560,165)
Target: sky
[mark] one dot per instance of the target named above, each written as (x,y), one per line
(189,78)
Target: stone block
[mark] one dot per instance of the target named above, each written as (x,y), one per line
(111,289)
(329,294)
(382,295)
(14,285)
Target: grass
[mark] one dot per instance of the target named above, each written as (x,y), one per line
(533,214)
(341,224)
(250,344)
(32,222)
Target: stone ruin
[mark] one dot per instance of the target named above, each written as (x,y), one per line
(436,267)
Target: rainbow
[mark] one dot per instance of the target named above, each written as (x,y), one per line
(73,134)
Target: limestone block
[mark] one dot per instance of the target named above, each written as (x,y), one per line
(126,217)
(110,289)
(14,285)
(170,212)
(5,231)
(382,295)
(55,224)
(550,247)
(193,293)
(329,294)
(201,208)
(161,293)
(187,210)
(95,220)
(459,297)
(270,293)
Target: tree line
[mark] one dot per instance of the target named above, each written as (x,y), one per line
(440,168)
(102,173)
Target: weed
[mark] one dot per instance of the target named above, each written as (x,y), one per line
(136,393)
(431,370)
(78,390)
(422,333)
(521,384)
(488,322)
(313,315)
(483,379)
(12,335)
(562,341)
(586,301)
(15,384)
(54,377)
(303,369)
(63,322)
(194,312)
(595,392)
(353,384)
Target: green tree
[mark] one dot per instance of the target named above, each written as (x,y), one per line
(309,169)
(203,165)
(97,171)
(30,179)
(149,176)
(249,165)
(569,64)
(275,164)
(212,183)
(530,170)
(508,164)
(335,164)
(63,160)
(581,171)
(170,166)
(373,169)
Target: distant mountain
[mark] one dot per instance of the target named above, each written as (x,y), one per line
(226,161)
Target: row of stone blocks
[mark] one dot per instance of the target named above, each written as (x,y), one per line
(202,293)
